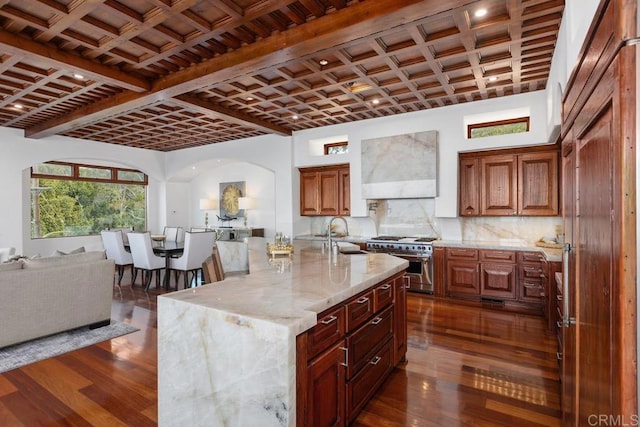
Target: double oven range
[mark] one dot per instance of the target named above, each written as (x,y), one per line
(417,250)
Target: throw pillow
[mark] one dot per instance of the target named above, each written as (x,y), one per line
(75,251)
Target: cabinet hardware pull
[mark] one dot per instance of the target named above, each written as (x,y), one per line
(385,286)
(346,356)
(329,320)
(375,360)
(558,355)
(376,320)
(559,297)
(559,323)
(363,300)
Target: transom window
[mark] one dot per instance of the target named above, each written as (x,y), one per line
(500,127)
(70,199)
(336,148)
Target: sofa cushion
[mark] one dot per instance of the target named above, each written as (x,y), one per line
(10,266)
(64,260)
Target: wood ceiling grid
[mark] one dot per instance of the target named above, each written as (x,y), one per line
(433,61)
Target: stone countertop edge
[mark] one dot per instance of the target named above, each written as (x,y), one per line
(553,255)
(291,299)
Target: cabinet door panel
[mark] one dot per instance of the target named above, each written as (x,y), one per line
(499,185)
(498,280)
(309,187)
(344,187)
(463,278)
(326,388)
(538,184)
(400,321)
(329,192)
(469,187)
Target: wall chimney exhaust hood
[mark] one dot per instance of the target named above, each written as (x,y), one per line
(400,166)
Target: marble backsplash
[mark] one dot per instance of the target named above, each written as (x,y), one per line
(416,217)
(529,229)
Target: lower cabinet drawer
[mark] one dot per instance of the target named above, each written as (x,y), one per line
(359,310)
(531,290)
(367,381)
(330,328)
(364,341)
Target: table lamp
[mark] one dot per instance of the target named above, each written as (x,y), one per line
(207,205)
(244,203)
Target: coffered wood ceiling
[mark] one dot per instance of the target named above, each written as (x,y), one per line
(172,74)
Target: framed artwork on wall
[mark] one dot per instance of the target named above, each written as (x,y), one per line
(229,194)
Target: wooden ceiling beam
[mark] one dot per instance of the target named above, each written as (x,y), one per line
(212,109)
(17,45)
(327,31)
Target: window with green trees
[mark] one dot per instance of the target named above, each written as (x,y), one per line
(69,199)
(500,127)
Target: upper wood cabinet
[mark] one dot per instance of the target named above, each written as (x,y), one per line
(469,183)
(509,184)
(498,191)
(325,190)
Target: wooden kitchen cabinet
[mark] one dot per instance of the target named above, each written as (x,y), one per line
(514,183)
(498,280)
(400,321)
(343,360)
(326,382)
(498,186)
(325,191)
(469,182)
(513,278)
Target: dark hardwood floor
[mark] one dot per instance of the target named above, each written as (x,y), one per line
(466,367)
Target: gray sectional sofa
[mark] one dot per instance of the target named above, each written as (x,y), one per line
(45,296)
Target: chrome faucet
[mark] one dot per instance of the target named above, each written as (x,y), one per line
(346,229)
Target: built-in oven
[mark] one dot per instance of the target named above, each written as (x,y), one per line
(419,272)
(417,250)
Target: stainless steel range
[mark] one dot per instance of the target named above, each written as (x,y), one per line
(417,250)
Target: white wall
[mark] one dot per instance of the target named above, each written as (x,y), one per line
(259,186)
(19,153)
(448,121)
(264,163)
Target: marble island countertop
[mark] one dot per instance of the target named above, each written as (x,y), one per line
(550,254)
(226,351)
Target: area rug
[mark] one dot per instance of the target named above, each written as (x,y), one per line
(18,355)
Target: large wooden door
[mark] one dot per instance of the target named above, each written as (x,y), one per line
(569,338)
(594,285)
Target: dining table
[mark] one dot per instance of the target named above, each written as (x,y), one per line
(167,249)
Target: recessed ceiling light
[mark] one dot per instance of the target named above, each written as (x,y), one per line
(480,13)
(78,76)
(294,117)
(249,98)
(18,106)
(376,101)
(323,62)
(493,78)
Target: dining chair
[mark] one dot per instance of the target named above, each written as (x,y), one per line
(196,248)
(212,267)
(144,259)
(124,231)
(113,243)
(6,253)
(173,234)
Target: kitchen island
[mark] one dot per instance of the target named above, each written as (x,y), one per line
(227,351)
